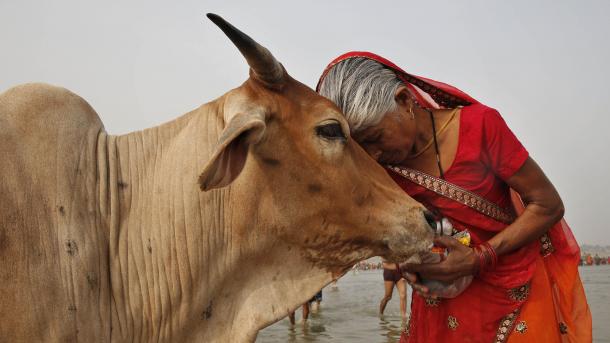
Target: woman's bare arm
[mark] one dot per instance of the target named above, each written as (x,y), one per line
(543,209)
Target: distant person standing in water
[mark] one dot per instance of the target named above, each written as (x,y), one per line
(311,304)
(333,286)
(391,277)
(314,303)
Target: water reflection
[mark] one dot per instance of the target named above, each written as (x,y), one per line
(389,329)
(349,314)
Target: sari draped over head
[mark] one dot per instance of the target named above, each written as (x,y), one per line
(535,293)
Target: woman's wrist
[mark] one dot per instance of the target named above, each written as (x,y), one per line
(486,258)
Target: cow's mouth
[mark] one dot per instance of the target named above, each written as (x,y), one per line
(406,247)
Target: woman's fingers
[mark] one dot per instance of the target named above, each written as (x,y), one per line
(448,242)
(435,271)
(411,278)
(428,269)
(419,288)
(455,265)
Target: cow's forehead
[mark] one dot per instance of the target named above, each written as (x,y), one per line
(312,101)
(325,108)
(295,101)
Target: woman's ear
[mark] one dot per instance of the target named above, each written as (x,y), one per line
(402,96)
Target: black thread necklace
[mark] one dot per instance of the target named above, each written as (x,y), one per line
(438,154)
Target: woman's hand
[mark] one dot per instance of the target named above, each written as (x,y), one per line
(417,287)
(460,261)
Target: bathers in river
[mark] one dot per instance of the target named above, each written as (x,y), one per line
(391,275)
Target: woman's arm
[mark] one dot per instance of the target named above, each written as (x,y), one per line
(543,209)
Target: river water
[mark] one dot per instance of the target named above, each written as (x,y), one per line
(349,313)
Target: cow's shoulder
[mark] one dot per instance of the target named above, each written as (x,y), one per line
(40,105)
(50,224)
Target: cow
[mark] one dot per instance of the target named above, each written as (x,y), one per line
(206,228)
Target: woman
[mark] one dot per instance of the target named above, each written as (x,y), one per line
(458,157)
(391,277)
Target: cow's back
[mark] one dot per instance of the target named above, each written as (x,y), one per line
(53,248)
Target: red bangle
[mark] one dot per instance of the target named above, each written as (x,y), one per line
(477,265)
(492,255)
(487,257)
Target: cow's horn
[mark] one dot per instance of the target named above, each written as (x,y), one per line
(264,66)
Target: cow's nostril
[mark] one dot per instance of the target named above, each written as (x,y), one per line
(430,219)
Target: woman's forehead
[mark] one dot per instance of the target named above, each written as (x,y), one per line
(369,132)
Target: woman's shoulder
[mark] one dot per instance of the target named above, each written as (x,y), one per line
(481,115)
(479,110)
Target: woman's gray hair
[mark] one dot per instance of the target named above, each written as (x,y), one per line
(363,89)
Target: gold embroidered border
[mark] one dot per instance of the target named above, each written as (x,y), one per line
(456,193)
(563,328)
(521,327)
(546,246)
(519,293)
(452,323)
(431,302)
(506,325)
(441,97)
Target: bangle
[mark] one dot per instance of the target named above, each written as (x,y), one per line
(493,256)
(475,270)
(487,257)
(479,268)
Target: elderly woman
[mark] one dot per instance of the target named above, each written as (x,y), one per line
(459,158)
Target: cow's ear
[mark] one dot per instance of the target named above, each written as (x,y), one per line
(231,151)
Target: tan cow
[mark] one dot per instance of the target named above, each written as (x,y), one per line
(109,238)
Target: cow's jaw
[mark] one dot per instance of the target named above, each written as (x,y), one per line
(262,296)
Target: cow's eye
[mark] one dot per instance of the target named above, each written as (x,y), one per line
(331,131)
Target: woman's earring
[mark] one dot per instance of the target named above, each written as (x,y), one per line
(411,111)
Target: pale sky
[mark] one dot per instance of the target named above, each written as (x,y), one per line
(542,64)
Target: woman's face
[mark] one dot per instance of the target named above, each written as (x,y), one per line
(390,141)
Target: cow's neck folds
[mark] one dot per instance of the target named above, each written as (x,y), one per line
(165,248)
(184,261)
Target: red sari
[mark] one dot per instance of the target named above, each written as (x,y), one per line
(535,293)
(487,311)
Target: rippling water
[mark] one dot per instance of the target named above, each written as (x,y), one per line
(349,314)
(597,286)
